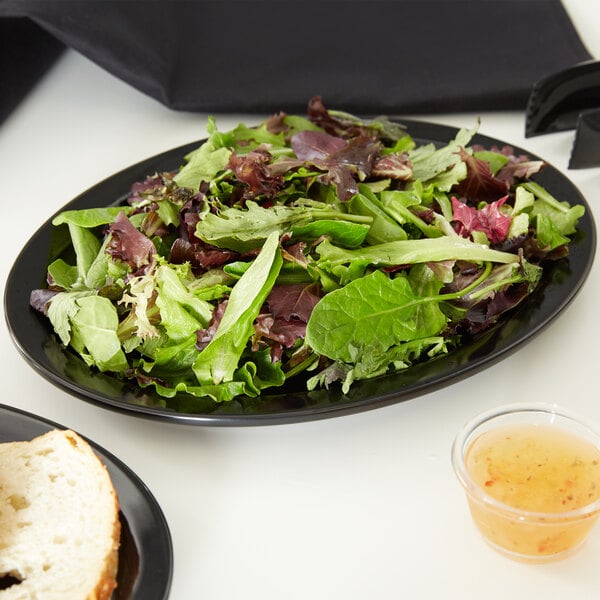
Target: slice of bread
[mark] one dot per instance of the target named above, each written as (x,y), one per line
(59,520)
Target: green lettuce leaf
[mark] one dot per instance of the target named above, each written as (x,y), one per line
(63,274)
(563,216)
(61,309)
(86,246)
(430,162)
(219,360)
(181,312)
(94,334)
(206,162)
(90,217)
(383,227)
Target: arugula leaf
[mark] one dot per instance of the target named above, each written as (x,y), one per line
(244,230)
(405,252)
(378,362)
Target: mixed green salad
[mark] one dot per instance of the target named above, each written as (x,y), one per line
(324,248)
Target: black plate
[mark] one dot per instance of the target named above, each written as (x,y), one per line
(35,340)
(146,554)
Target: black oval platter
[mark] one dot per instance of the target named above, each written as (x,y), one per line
(35,340)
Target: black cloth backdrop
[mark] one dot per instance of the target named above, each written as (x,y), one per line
(26,52)
(365,56)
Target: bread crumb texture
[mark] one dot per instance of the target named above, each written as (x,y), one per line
(59,521)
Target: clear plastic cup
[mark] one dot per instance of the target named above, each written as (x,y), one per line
(531,474)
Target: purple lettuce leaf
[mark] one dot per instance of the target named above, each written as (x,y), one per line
(281,331)
(39,299)
(519,166)
(345,162)
(205,336)
(489,219)
(393,166)
(128,244)
(254,172)
(293,301)
(316,146)
(335,125)
(200,255)
(480,183)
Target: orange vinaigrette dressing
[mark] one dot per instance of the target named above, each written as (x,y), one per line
(535,468)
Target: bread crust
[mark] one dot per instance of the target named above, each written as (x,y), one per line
(107,581)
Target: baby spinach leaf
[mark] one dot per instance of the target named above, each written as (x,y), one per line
(374,311)
(383,227)
(344,233)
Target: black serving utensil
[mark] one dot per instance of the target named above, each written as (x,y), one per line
(567,100)
(556,101)
(586,147)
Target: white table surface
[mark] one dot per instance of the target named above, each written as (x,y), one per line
(355,507)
